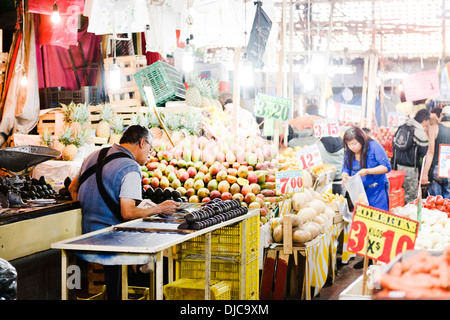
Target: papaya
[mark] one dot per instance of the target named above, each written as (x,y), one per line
(267,192)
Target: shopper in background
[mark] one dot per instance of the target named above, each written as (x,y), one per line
(115,202)
(408,155)
(435,116)
(366,157)
(438,135)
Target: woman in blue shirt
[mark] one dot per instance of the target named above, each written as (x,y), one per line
(368,158)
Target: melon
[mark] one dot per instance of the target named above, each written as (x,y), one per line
(307,214)
(307,179)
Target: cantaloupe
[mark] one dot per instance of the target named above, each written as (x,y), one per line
(315,194)
(312,229)
(295,220)
(317,205)
(329,212)
(278,234)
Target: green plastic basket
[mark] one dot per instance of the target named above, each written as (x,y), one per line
(165,81)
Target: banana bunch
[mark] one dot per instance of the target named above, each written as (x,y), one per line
(329,197)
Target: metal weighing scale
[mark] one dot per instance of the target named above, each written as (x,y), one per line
(17,162)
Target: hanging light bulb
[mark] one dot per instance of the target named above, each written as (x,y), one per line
(56,18)
(24,80)
(246,73)
(114,76)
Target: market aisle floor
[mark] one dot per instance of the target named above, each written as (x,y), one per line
(345,276)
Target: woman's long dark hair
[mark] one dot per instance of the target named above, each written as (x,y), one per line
(363,139)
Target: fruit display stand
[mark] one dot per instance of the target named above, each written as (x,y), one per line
(143,241)
(300,269)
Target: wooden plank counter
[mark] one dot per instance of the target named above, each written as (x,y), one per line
(25,231)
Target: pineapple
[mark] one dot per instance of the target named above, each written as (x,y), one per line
(154,126)
(193,125)
(117,128)
(173,126)
(205,92)
(79,118)
(193,96)
(214,89)
(67,109)
(47,137)
(104,126)
(67,139)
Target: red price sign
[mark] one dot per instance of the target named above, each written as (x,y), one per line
(309,157)
(381,234)
(350,113)
(396,119)
(289,181)
(326,127)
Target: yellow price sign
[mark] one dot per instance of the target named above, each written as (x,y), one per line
(381,234)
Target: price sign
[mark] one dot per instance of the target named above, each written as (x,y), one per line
(273,107)
(326,127)
(396,119)
(309,157)
(350,113)
(289,181)
(381,234)
(444,161)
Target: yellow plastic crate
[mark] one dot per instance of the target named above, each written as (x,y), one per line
(194,289)
(225,258)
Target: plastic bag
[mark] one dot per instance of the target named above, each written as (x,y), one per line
(8,283)
(356,191)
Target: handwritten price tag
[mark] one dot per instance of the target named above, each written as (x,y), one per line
(273,107)
(396,119)
(388,234)
(350,112)
(444,161)
(289,181)
(326,127)
(309,157)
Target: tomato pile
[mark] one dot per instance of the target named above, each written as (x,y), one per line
(437,203)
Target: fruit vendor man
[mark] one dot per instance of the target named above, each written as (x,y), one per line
(108,196)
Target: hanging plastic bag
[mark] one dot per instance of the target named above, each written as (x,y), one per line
(8,283)
(64,7)
(356,191)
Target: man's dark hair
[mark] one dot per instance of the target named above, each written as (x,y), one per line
(436,110)
(135,133)
(422,115)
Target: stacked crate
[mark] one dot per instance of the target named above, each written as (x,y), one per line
(227,259)
(128,94)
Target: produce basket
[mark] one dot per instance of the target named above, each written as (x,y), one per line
(396,179)
(165,81)
(193,289)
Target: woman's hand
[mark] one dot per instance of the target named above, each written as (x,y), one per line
(424,180)
(363,172)
(345,177)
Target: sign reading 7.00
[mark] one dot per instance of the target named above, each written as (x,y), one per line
(273,107)
(381,234)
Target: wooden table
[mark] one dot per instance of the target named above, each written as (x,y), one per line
(123,245)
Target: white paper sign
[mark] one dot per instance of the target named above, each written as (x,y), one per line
(326,127)
(309,157)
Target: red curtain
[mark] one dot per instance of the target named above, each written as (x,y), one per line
(55,66)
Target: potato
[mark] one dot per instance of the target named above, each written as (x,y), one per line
(301,236)
(278,234)
(307,214)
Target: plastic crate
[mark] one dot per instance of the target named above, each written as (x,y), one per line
(226,258)
(396,179)
(165,81)
(88,95)
(194,289)
(397,198)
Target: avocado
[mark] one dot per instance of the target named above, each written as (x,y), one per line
(158,196)
(150,192)
(67,182)
(42,181)
(176,194)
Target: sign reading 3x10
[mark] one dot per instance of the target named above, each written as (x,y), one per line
(273,107)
